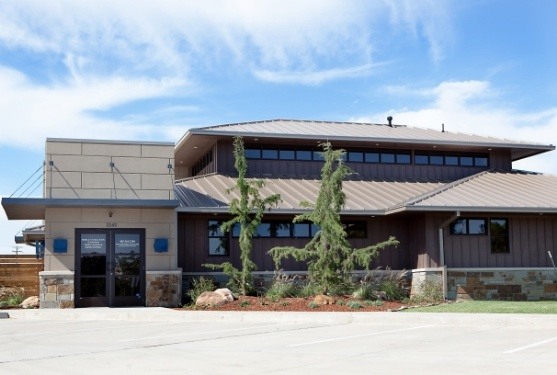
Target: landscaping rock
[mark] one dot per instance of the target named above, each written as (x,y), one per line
(211,299)
(30,303)
(322,299)
(226,293)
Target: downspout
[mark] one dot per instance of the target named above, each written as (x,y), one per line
(442,252)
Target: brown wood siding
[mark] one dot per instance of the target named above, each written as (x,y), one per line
(312,169)
(193,245)
(530,238)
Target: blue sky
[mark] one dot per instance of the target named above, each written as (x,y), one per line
(144,70)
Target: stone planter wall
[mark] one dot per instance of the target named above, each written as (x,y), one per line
(510,284)
(526,284)
(164,288)
(56,289)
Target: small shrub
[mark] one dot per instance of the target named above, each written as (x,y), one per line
(366,291)
(395,287)
(376,302)
(284,286)
(431,291)
(11,297)
(308,290)
(341,289)
(245,303)
(341,302)
(354,305)
(198,286)
(313,305)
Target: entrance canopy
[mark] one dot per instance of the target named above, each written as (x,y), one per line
(34,208)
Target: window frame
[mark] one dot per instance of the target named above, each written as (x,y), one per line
(224,238)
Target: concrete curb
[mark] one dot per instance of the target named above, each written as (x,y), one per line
(379,318)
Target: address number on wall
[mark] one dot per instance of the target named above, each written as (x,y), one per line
(111,225)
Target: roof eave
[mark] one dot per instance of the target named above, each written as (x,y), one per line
(34,208)
(519,210)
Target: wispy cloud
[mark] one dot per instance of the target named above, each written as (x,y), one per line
(315,77)
(474,107)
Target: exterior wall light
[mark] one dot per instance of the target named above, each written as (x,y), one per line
(161,245)
(60,245)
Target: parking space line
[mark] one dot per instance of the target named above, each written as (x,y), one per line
(358,336)
(539,343)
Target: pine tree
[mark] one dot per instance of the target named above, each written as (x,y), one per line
(330,257)
(248,212)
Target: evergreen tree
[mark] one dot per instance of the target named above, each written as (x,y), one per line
(330,257)
(248,212)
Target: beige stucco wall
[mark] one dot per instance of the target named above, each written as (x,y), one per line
(83,167)
(158,223)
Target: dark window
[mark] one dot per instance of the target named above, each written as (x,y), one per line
(421,159)
(468,226)
(387,158)
(303,155)
(372,157)
(499,233)
(273,229)
(269,154)
(451,160)
(218,240)
(286,155)
(357,157)
(318,155)
(403,158)
(314,229)
(355,229)
(466,161)
(436,160)
(252,153)
(480,161)
(301,230)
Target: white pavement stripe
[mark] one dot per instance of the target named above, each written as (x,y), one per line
(530,346)
(362,335)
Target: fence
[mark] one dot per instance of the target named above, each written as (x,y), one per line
(21,271)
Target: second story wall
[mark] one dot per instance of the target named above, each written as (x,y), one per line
(108,170)
(496,159)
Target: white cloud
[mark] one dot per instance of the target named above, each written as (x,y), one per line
(178,36)
(32,112)
(472,107)
(314,77)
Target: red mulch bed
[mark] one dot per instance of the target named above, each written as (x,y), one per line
(245,303)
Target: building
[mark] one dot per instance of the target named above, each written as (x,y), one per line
(127,222)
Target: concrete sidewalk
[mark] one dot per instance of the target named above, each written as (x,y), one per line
(159,314)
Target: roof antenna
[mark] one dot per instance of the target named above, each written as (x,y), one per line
(442,128)
(390,119)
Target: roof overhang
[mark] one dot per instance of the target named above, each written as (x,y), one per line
(196,142)
(34,208)
(476,209)
(274,211)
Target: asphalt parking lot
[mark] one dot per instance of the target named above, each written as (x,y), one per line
(158,341)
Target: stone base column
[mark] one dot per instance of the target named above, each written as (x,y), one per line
(164,288)
(56,289)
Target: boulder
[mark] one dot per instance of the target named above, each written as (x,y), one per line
(210,299)
(30,303)
(322,299)
(226,293)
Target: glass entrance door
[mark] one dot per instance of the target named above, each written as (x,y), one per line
(110,267)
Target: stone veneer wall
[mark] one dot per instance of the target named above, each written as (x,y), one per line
(527,284)
(516,284)
(164,288)
(56,289)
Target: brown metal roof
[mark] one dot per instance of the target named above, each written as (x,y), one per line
(492,192)
(208,194)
